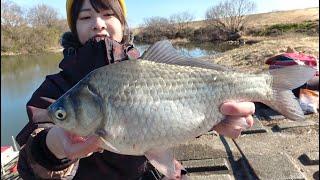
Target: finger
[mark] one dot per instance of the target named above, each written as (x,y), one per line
(82,149)
(178,169)
(237,122)
(54,141)
(235,133)
(250,121)
(237,108)
(233,125)
(228,131)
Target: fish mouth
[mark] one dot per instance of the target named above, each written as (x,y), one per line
(74,138)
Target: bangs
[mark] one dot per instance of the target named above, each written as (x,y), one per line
(100,4)
(113,5)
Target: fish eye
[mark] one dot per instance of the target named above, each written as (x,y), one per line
(61,114)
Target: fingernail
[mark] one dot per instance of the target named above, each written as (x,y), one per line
(249,124)
(253,108)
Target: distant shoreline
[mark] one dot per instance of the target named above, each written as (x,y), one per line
(52,50)
(261,26)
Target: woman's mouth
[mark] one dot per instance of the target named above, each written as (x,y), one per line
(100,35)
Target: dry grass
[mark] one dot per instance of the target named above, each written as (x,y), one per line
(252,57)
(283,17)
(266,19)
(279,17)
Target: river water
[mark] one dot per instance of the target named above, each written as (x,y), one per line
(22,75)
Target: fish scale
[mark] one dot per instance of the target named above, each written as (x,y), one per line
(145,106)
(177,82)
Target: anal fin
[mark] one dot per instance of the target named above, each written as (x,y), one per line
(164,162)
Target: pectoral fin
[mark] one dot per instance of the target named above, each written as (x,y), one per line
(164,162)
(106,145)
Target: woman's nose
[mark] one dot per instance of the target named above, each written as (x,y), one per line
(99,24)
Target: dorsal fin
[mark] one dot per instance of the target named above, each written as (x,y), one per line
(164,52)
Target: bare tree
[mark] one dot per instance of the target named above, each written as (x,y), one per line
(181,20)
(42,15)
(230,14)
(154,29)
(157,24)
(11,14)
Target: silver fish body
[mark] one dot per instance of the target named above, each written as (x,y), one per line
(143,105)
(152,105)
(139,105)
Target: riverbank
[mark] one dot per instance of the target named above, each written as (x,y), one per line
(50,50)
(260,26)
(304,21)
(252,57)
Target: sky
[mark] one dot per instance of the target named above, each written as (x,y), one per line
(138,10)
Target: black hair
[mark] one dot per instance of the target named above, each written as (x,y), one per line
(98,5)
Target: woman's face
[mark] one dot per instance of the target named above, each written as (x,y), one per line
(92,24)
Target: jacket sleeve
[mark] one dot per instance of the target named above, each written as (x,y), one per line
(35,159)
(74,67)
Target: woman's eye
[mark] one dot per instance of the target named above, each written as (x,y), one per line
(84,17)
(109,14)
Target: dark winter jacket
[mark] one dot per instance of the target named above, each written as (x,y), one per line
(35,159)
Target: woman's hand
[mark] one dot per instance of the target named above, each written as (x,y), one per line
(63,145)
(238,118)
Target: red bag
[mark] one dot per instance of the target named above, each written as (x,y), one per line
(294,58)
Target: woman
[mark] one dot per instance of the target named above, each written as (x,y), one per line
(99,36)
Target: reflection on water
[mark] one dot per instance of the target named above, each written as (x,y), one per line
(196,50)
(22,75)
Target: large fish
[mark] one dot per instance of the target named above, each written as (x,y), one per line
(146,106)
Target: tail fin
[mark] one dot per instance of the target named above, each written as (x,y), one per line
(284,80)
